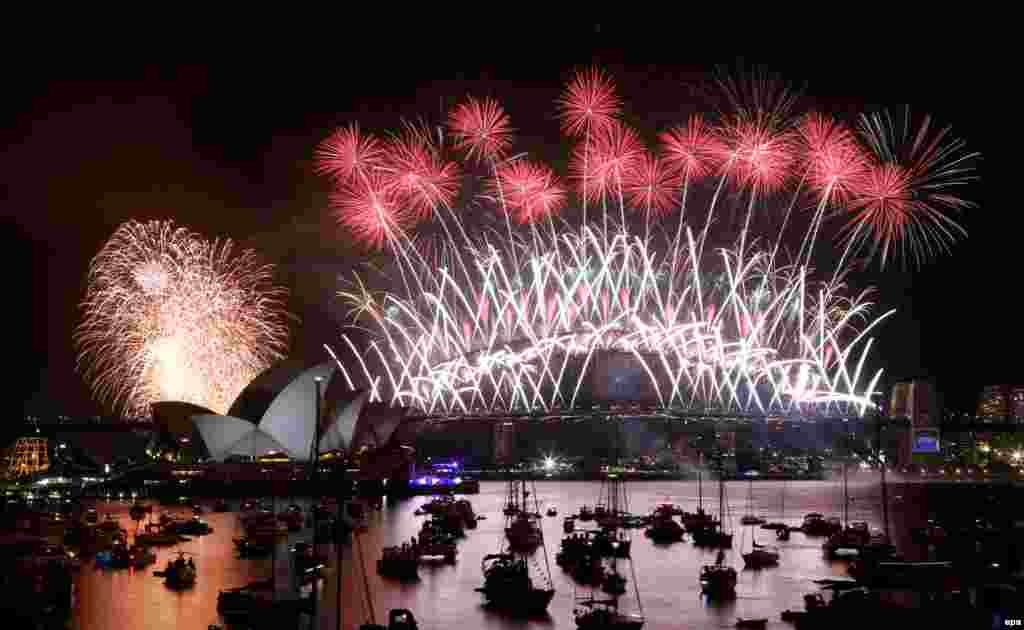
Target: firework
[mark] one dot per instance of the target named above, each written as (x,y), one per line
(695,149)
(589,104)
(417,171)
(371,208)
(606,166)
(905,198)
(347,153)
(525,321)
(652,186)
(481,129)
(530,190)
(171,316)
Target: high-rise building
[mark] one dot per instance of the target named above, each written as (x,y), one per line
(917,402)
(504,442)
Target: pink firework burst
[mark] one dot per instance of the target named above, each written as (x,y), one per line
(481,128)
(882,208)
(530,190)
(422,178)
(653,186)
(370,209)
(348,153)
(609,162)
(904,202)
(760,157)
(836,164)
(589,103)
(694,149)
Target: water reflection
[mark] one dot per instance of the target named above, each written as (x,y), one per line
(444,597)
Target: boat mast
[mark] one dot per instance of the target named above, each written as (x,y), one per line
(846,498)
(700,483)
(881,462)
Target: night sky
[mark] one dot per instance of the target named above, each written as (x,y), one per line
(225,148)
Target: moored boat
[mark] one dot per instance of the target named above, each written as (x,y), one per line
(508,586)
(603,614)
(718,580)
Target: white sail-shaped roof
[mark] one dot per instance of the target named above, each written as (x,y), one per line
(278,410)
(343,411)
(219,433)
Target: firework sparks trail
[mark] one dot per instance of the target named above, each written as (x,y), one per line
(904,197)
(171,316)
(588,107)
(530,318)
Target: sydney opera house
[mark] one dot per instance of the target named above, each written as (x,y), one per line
(276,415)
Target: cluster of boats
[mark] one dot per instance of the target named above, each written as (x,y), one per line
(449,518)
(263,528)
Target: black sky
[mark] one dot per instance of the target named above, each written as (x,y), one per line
(225,148)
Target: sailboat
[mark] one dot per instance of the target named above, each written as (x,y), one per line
(750,518)
(714,534)
(853,536)
(507,582)
(613,505)
(780,526)
(760,556)
(591,613)
(699,519)
(522,525)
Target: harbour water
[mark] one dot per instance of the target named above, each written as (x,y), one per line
(443,598)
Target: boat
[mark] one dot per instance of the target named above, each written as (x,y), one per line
(714,534)
(157,535)
(718,580)
(508,586)
(250,547)
(244,602)
(592,613)
(398,619)
(569,524)
(464,510)
(665,530)
(751,624)
(179,573)
(595,614)
(195,526)
(614,583)
(137,512)
(750,518)
(399,562)
(586,513)
(523,526)
(815,524)
(760,556)
(136,556)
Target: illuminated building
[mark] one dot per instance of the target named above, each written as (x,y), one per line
(276,414)
(504,442)
(917,402)
(1002,402)
(30,456)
